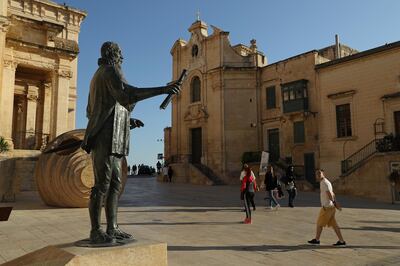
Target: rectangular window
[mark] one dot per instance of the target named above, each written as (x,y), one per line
(298,132)
(295,96)
(343,120)
(299,93)
(285,96)
(271,99)
(291,95)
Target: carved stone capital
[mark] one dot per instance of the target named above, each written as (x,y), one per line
(10,64)
(4,24)
(32,94)
(64,73)
(32,97)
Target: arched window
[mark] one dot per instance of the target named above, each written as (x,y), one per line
(195,90)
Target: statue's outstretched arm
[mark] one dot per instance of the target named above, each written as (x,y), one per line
(144,93)
(127,94)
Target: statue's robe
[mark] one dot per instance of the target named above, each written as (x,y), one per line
(110,103)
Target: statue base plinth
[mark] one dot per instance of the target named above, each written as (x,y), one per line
(85,243)
(143,253)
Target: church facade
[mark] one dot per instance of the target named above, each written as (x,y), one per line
(233,102)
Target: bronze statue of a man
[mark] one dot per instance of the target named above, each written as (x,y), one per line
(111,100)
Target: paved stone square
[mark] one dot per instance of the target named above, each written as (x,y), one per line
(202,226)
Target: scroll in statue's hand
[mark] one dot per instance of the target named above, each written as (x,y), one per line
(134,123)
(174,88)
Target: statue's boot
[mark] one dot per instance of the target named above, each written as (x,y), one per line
(111,208)
(97,235)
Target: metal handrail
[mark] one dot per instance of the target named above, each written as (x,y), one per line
(358,157)
(386,144)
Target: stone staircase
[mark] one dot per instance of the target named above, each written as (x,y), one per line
(205,170)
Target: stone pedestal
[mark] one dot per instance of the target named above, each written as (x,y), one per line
(143,253)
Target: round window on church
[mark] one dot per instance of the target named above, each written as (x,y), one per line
(195,50)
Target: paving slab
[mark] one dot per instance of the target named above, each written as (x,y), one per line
(202,225)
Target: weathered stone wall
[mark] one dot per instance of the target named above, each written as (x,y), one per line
(16,173)
(370,180)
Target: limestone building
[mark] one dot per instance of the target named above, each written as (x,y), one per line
(215,117)
(38,70)
(38,77)
(316,109)
(359,120)
(290,106)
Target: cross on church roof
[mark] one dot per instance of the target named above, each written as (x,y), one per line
(198,15)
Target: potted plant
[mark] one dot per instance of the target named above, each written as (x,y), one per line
(3,145)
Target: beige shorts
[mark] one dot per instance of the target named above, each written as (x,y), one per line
(327,217)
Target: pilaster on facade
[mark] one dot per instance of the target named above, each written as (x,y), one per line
(4,24)
(7,100)
(59,106)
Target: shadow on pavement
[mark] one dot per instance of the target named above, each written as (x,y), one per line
(372,228)
(379,222)
(181,223)
(274,248)
(187,210)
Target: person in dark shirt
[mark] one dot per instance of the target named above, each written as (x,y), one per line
(158,165)
(271,184)
(170,173)
(290,185)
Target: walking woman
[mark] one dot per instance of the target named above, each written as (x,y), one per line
(271,184)
(290,185)
(248,189)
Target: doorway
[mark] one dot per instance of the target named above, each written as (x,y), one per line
(196,145)
(309,167)
(273,145)
(396,116)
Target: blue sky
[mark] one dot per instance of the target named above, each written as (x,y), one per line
(146,31)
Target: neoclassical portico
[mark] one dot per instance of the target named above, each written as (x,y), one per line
(38,71)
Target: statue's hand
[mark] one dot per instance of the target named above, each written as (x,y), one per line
(134,123)
(174,88)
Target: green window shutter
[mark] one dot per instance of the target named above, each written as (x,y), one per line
(299,132)
(271,97)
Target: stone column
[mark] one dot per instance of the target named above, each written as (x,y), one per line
(59,103)
(31,108)
(47,92)
(7,100)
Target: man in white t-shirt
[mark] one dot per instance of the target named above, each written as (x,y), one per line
(328,208)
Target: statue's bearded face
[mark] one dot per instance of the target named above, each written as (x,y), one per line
(111,53)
